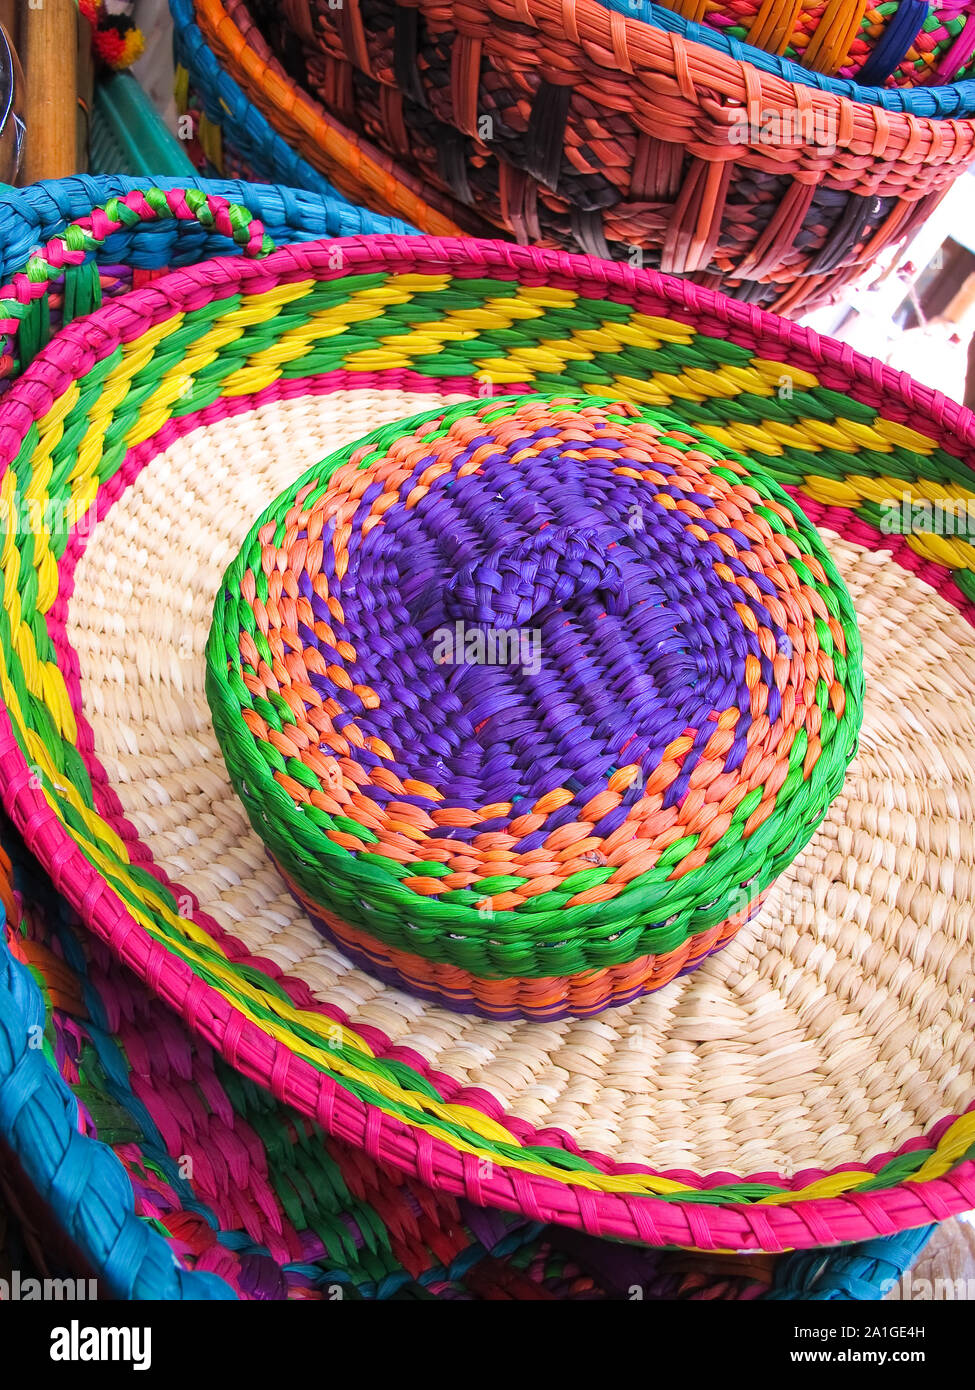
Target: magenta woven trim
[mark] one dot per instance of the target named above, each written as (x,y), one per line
(81,344)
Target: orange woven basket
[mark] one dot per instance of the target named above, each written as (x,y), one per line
(566,123)
(357,168)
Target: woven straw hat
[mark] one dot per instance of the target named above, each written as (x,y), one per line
(811,1083)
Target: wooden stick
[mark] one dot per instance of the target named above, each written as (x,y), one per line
(9,172)
(86,93)
(8,18)
(49,52)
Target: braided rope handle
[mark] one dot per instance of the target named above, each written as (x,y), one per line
(24,312)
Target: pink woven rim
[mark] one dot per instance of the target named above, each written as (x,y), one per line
(819,1221)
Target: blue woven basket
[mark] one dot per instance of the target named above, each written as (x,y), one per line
(31,215)
(250,141)
(951,102)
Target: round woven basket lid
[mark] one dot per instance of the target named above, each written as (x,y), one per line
(533,699)
(811,1083)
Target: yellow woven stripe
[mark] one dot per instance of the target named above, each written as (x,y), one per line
(264,304)
(829,43)
(64,403)
(954,552)
(135,357)
(954,1144)
(866,436)
(263,366)
(774,24)
(943,550)
(11,555)
(780,374)
(907,438)
(41,678)
(31,509)
(399,351)
(918,490)
(649,391)
(832,492)
(227,328)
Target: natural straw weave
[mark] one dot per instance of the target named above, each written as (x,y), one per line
(630,134)
(814,1081)
(667,696)
(197,1184)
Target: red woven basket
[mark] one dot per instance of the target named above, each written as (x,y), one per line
(568,124)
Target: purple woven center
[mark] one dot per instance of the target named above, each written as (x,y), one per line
(619,636)
(511,587)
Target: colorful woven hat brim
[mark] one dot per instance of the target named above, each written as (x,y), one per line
(651,340)
(33,215)
(774,199)
(177,1152)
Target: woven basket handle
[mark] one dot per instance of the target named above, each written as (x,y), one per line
(510,586)
(24,310)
